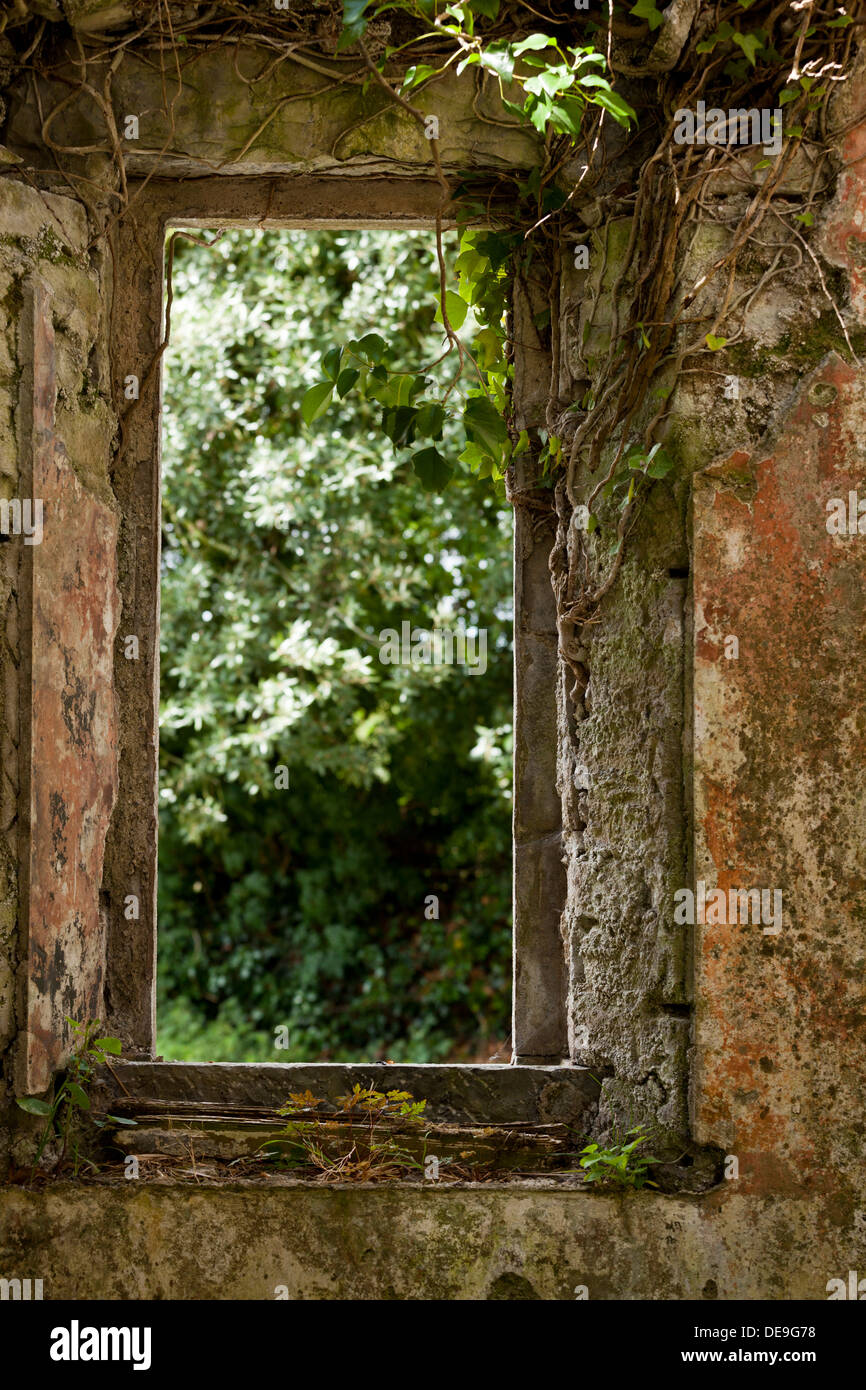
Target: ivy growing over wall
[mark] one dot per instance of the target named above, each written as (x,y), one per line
(604,449)
(603,89)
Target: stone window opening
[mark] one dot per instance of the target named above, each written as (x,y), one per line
(315,541)
(540,1082)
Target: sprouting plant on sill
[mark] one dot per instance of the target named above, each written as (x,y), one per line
(619,1164)
(357,1142)
(71,1098)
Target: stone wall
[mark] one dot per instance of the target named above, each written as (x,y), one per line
(489,1242)
(659,758)
(57,426)
(683,761)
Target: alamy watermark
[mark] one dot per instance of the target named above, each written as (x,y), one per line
(19,518)
(18,1290)
(853,1288)
(740,126)
(846,517)
(440,647)
(76,1343)
(737,907)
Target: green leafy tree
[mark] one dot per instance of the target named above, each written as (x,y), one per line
(288,549)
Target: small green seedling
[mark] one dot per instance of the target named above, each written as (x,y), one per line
(619,1164)
(72,1096)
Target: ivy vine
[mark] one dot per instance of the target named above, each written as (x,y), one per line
(556,85)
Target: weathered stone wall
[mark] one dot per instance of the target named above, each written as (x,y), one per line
(779,1078)
(681,762)
(225,118)
(621,774)
(673,760)
(54,287)
(164,1240)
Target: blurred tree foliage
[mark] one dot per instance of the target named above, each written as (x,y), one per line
(286,551)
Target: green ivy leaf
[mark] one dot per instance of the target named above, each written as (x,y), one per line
(714,343)
(499,61)
(399,424)
(331,362)
(415,75)
(456,308)
(372,347)
(77,1096)
(488,347)
(354,23)
(618,107)
(584,57)
(659,467)
(473,57)
(478,459)
(539,113)
(533,43)
(388,391)
(724,31)
(550,82)
(316,401)
(484,425)
(567,116)
(750,44)
(432,468)
(592,79)
(346,380)
(430,420)
(34,1106)
(645,9)
(736,68)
